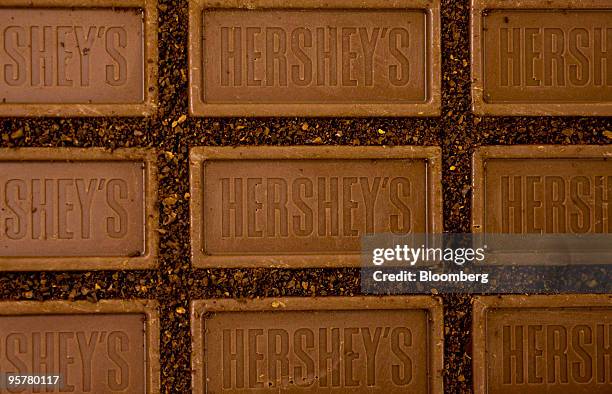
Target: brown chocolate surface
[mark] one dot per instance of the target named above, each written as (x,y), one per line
(542,344)
(78,58)
(175,283)
(77,209)
(542,189)
(307,206)
(103,348)
(313,345)
(541,57)
(314,58)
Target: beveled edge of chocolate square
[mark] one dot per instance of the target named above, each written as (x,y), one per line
(197,155)
(480,106)
(482,304)
(147,261)
(149,308)
(432,108)
(149,71)
(432,305)
(483,153)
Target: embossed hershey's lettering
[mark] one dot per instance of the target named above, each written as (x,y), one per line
(318,206)
(310,205)
(307,206)
(555,57)
(51,202)
(329,55)
(314,56)
(304,353)
(556,204)
(81,208)
(547,56)
(91,353)
(554,354)
(52,352)
(39,55)
(543,190)
(554,344)
(313,345)
(72,55)
(301,58)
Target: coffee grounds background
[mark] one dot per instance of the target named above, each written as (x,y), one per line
(175,283)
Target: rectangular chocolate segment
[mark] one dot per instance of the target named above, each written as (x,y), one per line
(64,58)
(108,347)
(542,344)
(540,57)
(77,209)
(307,206)
(314,58)
(542,189)
(312,345)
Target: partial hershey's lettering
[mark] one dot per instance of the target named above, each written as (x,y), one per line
(556,347)
(547,56)
(313,351)
(309,206)
(50,206)
(554,350)
(46,47)
(548,196)
(556,204)
(290,56)
(570,57)
(72,209)
(92,354)
(89,56)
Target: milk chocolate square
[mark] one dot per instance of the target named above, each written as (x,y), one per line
(542,57)
(314,58)
(106,347)
(542,189)
(376,345)
(78,58)
(78,209)
(307,206)
(554,344)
